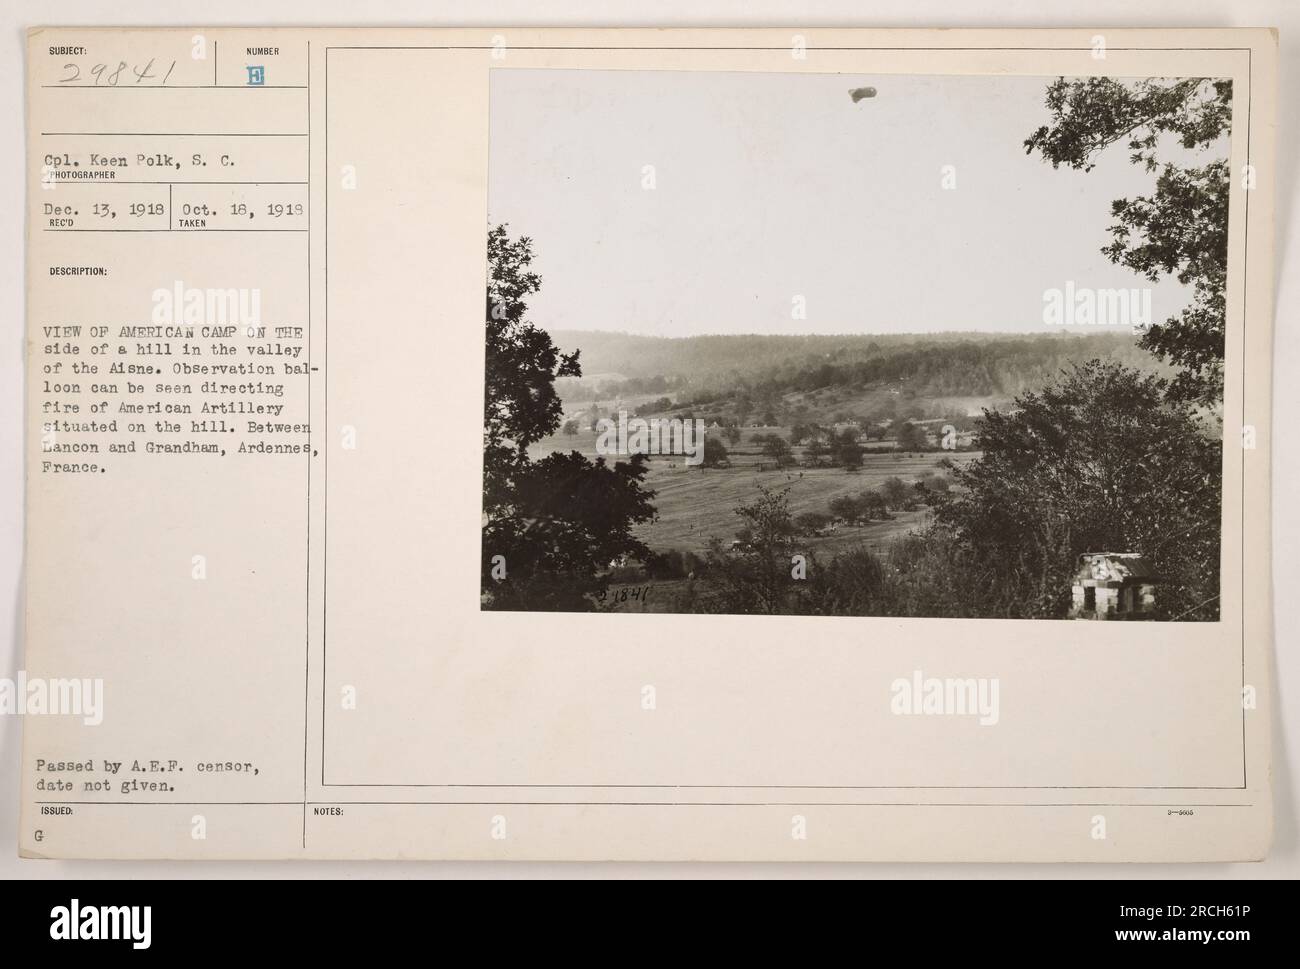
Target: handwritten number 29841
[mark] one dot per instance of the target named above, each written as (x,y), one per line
(107,76)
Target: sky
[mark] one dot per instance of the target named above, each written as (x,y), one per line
(770,188)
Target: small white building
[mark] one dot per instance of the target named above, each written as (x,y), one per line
(1113,585)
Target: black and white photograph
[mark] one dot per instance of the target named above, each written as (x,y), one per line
(838,345)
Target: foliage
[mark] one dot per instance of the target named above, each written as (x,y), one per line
(755,578)
(1181,228)
(911,437)
(814,452)
(551,525)
(775,447)
(846,451)
(1098,461)
(895,491)
(715,452)
(730,373)
(810,522)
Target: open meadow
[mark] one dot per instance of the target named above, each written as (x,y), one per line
(696,504)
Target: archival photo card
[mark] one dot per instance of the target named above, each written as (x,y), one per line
(776,444)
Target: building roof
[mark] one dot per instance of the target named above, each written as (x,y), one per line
(1116,567)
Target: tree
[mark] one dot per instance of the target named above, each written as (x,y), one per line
(571,427)
(777,448)
(911,437)
(810,522)
(1180,229)
(846,507)
(1100,460)
(550,526)
(845,449)
(853,584)
(873,505)
(665,565)
(895,492)
(814,452)
(654,407)
(715,452)
(850,455)
(732,433)
(520,405)
(757,577)
(932,487)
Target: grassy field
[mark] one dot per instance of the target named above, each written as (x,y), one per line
(696,503)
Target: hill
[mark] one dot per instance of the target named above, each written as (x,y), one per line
(829,377)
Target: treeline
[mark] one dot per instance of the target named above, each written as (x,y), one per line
(702,368)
